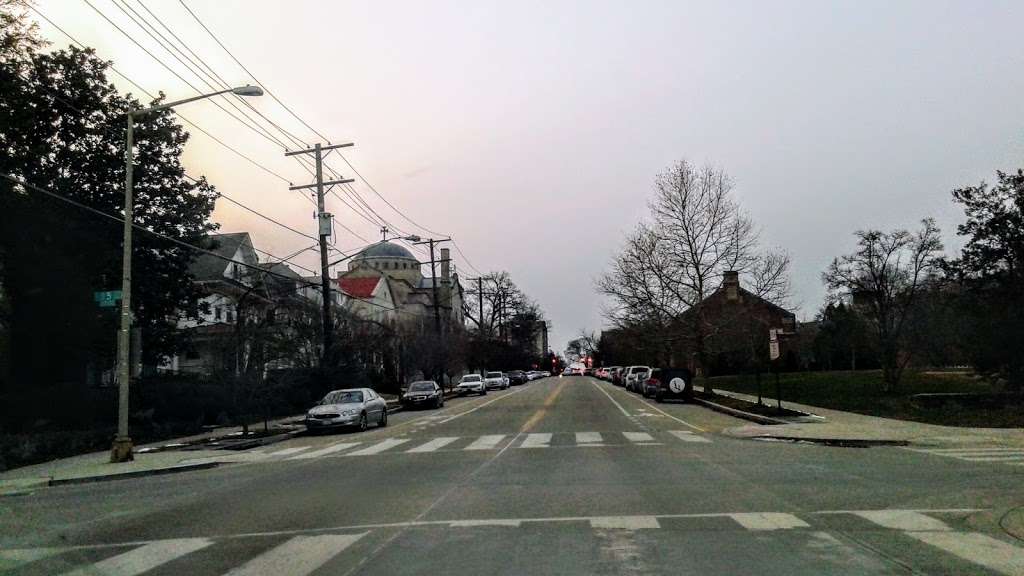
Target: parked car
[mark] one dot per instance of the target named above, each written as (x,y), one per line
(471,383)
(671,384)
(640,380)
(650,382)
(615,377)
(609,373)
(348,408)
(423,393)
(495,381)
(517,377)
(630,376)
(600,373)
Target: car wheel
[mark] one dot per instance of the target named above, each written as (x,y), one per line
(483,392)
(362,422)
(659,398)
(383,417)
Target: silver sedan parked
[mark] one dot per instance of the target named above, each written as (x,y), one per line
(348,408)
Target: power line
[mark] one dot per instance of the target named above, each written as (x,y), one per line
(140,227)
(272,95)
(254,126)
(266,136)
(153,97)
(200,63)
(188,176)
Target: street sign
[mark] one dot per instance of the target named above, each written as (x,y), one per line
(107,299)
(773,349)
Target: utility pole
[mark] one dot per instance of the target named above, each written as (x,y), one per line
(480,297)
(433,276)
(324,232)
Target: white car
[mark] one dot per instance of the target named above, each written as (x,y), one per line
(495,381)
(629,377)
(471,383)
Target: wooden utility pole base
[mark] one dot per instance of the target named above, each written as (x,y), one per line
(122,450)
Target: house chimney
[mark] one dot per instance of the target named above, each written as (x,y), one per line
(446,269)
(731,283)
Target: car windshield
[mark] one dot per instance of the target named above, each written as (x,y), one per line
(421,387)
(494,374)
(343,397)
(471,378)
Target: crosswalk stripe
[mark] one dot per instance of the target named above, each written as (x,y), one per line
(903,520)
(977,548)
(638,436)
(144,558)
(538,440)
(287,451)
(379,447)
(768,521)
(298,556)
(588,437)
(624,522)
(11,559)
(328,450)
(433,444)
(488,442)
(687,436)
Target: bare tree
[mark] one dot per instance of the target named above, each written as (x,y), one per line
(883,277)
(697,233)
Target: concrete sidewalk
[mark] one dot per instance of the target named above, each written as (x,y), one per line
(848,426)
(149,460)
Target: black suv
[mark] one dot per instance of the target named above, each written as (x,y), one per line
(517,377)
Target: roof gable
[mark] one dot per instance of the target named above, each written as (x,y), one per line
(359,287)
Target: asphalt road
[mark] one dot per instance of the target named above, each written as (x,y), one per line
(561,476)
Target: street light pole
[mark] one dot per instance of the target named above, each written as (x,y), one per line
(121,450)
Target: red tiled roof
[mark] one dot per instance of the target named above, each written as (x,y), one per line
(359,287)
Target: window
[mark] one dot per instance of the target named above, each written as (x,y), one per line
(229,316)
(217,310)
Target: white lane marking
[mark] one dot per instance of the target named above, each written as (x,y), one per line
(638,436)
(475,523)
(540,440)
(379,447)
(687,436)
(11,559)
(287,451)
(652,406)
(768,521)
(325,451)
(144,558)
(488,442)
(474,409)
(605,392)
(624,522)
(1006,459)
(903,520)
(977,548)
(588,437)
(299,556)
(979,450)
(433,444)
(680,420)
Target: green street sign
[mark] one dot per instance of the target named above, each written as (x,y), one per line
(107,299)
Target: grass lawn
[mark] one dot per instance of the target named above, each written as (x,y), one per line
(861,392)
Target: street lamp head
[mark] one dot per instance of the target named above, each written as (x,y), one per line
(247,91)
(412,238)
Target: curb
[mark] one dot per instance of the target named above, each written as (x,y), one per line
(136,474)
(841,442)
(267,440)
(738,413)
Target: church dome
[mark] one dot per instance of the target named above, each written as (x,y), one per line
(385,250)
(392,259)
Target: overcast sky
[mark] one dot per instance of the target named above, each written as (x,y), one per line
(531,131)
